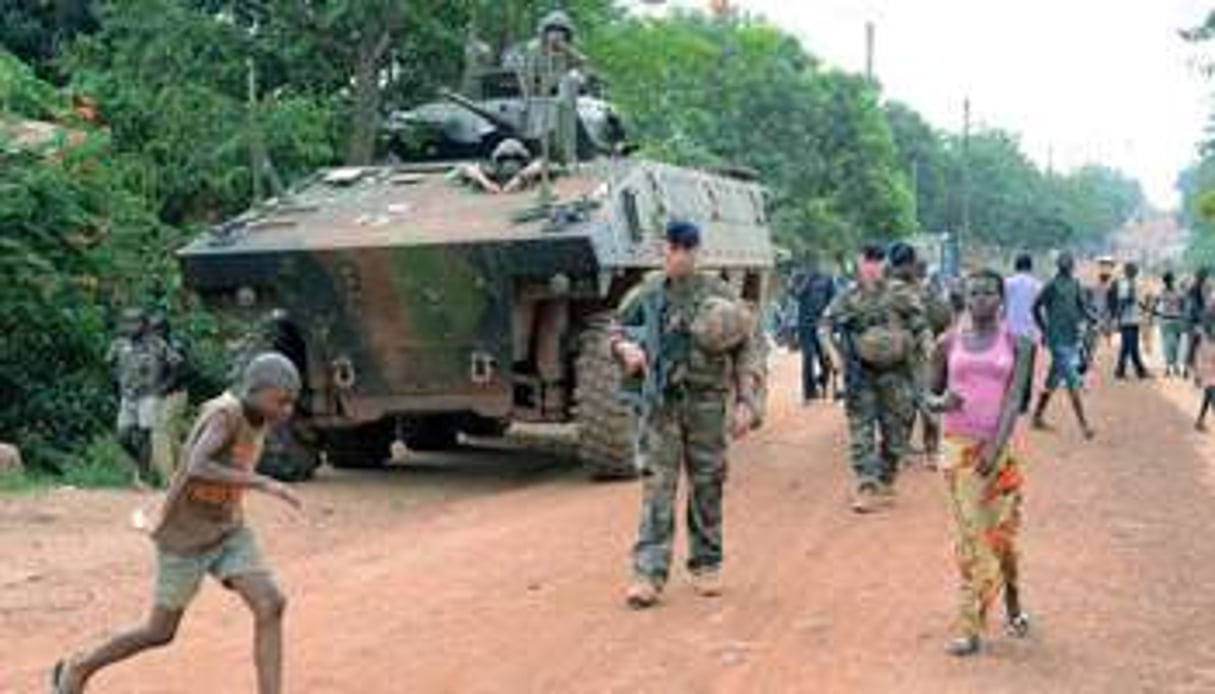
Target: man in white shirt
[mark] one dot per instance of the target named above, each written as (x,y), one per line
(1020,292)
(1126,306)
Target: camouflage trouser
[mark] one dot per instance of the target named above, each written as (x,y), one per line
(880,404)
(688,435)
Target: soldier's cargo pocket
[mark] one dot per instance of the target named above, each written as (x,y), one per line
(707,423)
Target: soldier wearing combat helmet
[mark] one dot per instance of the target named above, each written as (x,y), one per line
(693,342)
(883,333)
(510,169)
(552,56)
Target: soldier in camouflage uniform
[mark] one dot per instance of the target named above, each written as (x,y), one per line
(551,67)
(550,57)
(140,361)
(704,388)
(939,314)
(882,332)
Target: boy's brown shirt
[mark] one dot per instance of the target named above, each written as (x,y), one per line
(198,515)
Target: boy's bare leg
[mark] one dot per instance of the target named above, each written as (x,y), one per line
(267,603)
(158,631)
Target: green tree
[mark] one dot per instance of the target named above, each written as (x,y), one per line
(702,92)
(172,84)
(36,32)
(922,155)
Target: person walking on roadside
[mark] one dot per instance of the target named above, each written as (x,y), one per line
(1020,292)
(1169,308)
(1061,312)
(684,335)
(981,372)
(1125,302)
(814,292)
(881,330)
(1195,308)
(139,360)
(1204,372)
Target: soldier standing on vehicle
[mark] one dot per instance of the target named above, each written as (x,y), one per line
(550,67)
(692,341)
(883,334)
(137,359)
(551,56)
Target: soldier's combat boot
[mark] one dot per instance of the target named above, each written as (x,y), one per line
(864,498)
(642,594)
(707,584)
(963,646)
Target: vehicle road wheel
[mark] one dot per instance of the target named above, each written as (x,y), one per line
(606,424)
(436,433)
(488,427)
(290,454)
(359,447)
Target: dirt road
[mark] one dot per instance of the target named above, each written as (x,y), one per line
(504,573)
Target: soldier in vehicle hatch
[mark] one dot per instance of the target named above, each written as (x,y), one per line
(692,343)
(550,58)
(510,169)
(551,68)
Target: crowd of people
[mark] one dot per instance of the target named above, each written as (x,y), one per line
(958,357)
(961,358)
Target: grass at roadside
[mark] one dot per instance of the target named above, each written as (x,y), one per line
(102,465)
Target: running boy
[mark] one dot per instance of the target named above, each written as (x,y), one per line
(201,528)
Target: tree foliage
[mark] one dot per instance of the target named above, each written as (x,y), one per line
(703,91)
(198,100)
(1013,202)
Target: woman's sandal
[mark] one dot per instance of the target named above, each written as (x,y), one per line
(1018,625)
(57,675)
(963,646)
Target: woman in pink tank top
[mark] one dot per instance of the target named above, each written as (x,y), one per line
(981,373)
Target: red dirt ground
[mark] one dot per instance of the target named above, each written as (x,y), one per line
(504,572)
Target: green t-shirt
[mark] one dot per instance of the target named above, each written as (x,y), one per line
(1063,305)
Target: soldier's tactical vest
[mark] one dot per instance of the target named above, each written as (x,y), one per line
(685,360)
(880,338)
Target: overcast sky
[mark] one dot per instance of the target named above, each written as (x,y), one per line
(1082,80)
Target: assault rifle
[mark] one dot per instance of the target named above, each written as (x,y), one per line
(643,393)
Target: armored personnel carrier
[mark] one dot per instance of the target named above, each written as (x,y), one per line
(418,308)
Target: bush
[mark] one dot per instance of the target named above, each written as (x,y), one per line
(103,463)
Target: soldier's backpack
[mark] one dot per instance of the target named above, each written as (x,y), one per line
(721,324)
(884,345)
(939,311)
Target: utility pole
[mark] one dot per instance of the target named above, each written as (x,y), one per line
(255,163)
(870,46)
(965,231)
